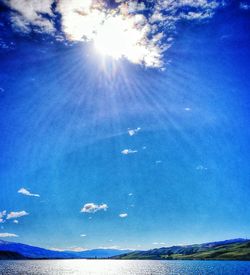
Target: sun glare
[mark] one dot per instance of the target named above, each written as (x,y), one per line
(118,37)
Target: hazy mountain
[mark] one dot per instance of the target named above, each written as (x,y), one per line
(34,252)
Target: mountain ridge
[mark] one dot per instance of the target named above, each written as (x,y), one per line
(33,252)
(234,249)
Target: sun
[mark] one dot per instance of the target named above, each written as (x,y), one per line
(119,37)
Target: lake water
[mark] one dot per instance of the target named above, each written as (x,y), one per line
(125,267)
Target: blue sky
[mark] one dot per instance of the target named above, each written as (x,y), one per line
(87,135)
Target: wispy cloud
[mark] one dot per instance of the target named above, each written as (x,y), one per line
(110,247)
(2,215)
(76,248)
(132,132)
(92,207)
(26,192)
(139,31)
(15,215)
(16,221)
(123,215)
(201,168)
(244,6)
(83,235)
(72,248)
(128,151)
(7,235)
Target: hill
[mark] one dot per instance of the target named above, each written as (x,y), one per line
(8,255)
(236,249)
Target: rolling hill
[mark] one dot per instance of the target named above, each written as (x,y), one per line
(236,249)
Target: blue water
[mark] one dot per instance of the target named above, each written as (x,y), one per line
(125,267)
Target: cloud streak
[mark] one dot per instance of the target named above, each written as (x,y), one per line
(7,235)
(93,208)
(15,215)
(25,192)
(128,151)
(123,215)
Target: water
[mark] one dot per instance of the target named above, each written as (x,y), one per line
(125,267)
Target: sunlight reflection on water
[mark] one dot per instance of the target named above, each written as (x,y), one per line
(116,267)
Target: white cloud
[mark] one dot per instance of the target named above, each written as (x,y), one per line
(187,109)
(14,215)
(120,30)
(72,248)
(132,132)
(16,221)
(27,193)
(110,247)
(156,243)
(76,248)
(134,6)
(6,235)
(92,207)
(27,13)
(128,151)
(2,215)
(83,235)
(201,167)
(130,194)
(123,215)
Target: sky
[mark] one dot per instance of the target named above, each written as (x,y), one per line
(124,124)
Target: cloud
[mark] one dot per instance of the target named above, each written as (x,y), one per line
(244,6)
(16,221)
(110,247)
(201,168)
(123,215)
(27,193)
(2,215)
(128,151)
(14,215)
(83,235)
(156,243)
(92,207)
(30,14)
(132,132)
(130,194)
(76,248)
(7,235)
(139,31)
(72,248)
